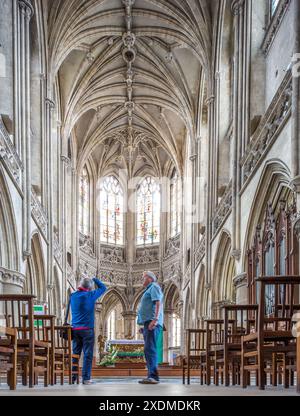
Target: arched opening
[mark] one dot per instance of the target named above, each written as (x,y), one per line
(112,316)
(173,324)
(9,258)
(224,273)
(35,272)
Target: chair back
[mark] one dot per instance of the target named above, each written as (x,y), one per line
(239,320)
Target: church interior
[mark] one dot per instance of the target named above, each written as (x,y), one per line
(158,135)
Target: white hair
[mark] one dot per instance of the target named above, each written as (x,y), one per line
(86,283)
(151,275)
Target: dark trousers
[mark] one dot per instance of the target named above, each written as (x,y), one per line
(150,349)
(83,340)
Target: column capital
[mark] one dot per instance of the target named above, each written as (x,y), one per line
(240,280)
(26,8)
(237,7)
(50,103)
(129,314)
(295,184)
(12,277)
(210,100)
(236,254)
(65,159)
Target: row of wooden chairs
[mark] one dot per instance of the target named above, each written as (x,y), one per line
(31,345)
(249,339)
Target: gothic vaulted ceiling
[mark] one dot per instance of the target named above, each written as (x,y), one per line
(130,76)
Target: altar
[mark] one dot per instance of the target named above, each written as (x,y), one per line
(129,351)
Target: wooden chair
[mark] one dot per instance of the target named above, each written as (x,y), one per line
(44,326)
(195,346)
(214,340)
(8,355)
(239,320)
(266,350)
(32,354)
(71,360)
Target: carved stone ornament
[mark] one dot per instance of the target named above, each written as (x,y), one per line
(269,128)
(223,209)
(39,214)
(10,277)
(9,155)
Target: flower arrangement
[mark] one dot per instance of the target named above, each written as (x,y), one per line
(110,358)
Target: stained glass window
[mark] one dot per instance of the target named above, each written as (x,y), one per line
(84,202)
(111,211)
(148,212)
(274,4)
(175,205)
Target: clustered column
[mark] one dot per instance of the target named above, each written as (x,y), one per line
(24,12)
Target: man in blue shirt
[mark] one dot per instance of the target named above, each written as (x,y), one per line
(150,316)
(83,316)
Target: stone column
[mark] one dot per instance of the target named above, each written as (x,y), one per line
(210,205)
(49,187)
(241,287)
(129,324)
(193,159)
(98,330)
(11,282)
(182,335)
(74,221)
(295,145)
(168,334)
(65,162)
(24,14)
(241,94)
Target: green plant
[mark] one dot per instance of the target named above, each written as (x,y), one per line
(109,358)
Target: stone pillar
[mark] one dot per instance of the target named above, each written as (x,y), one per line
(241,111)
(168,334)
(182,335)
(98,331)
(129,324)
(74,221)
(295,145)
(49,187)
(65,162)
(210,203)
(241,287)
(193,159)
(24,13)
(11,282)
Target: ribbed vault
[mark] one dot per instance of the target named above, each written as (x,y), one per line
(156,91)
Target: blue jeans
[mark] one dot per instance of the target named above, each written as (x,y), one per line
(83,340)
(150,349)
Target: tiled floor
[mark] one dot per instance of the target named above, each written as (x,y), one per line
(130,387)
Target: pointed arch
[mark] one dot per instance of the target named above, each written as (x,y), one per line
(9,247)
(35,271)
(224,272)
